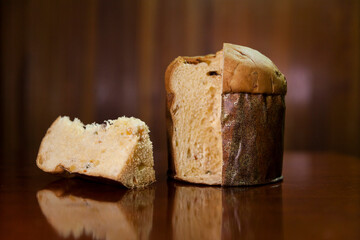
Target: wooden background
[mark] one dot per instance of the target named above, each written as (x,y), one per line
(97,60)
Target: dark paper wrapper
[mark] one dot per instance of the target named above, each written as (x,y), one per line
(253,138)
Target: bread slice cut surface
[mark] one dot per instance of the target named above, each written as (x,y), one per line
(195,111)
(118,150)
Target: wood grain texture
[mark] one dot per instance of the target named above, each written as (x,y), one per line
(103,59)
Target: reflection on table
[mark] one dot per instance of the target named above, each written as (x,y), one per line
(200,212)
(196,212)
(77,207)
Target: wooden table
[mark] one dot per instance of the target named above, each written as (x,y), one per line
(318,199)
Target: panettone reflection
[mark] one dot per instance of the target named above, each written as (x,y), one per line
(77,207)
(200,212)
(197,212)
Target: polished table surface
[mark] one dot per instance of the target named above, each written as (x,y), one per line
(318,199)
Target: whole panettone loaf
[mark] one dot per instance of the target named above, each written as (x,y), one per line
(225,118)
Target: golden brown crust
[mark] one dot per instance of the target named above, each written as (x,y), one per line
(128,176)
(169,123)
(248,71)
(169,72)
(169,131)
(39,158)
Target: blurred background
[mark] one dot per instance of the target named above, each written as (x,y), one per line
(99,60)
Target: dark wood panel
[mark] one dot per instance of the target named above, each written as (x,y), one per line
(101,59)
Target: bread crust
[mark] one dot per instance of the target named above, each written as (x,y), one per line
(169,122)
(40,157)
(169,135)
(247,70)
